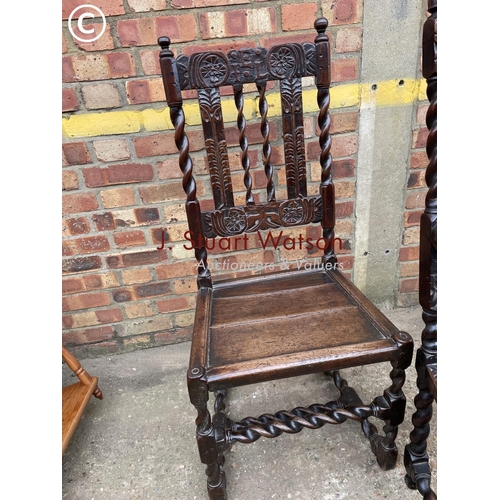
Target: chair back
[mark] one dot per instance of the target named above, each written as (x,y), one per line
(207,73)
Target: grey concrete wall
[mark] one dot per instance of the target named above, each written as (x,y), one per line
(391,40)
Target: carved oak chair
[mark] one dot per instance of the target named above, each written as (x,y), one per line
(286,323)
(75,397)
(416,458)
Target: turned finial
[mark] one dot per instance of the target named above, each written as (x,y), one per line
(320,25)
(164,43)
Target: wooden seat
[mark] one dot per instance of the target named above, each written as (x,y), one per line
(416,458)
(75,397)
(279,324)
(322,313)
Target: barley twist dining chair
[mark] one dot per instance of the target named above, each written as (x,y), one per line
(286,323)
(416,458)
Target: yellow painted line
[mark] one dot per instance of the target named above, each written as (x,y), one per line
(387,93)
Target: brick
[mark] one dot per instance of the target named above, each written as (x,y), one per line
(173,337)
(343,11)
(177,270)
(145,31)
(68,71)
(184,319)
(155,145)
(223,46)
(133,276)
(344,70)
(153,289)
(188,4)
(108,7)
(88,335)
(80,264)
(298,16)
(176,304)
(127,239)
(104,42)
(120,197)
(118,174)
(343,122)
(416,199)
(169,169)
(68,248)
(101,96)
(86,67)
(147,5)
(147,215)
(86,301)
(416,180)
(81,202)
(112,150)
(409,269)
(253,133)
(422,113)
(411,235)
(75,153)
(104,221)
(93,244)
(419,159)
(122,295)
(145,91)
(150,62)
(186,285)
(69,100)
(281,39)
(77,226)
(136,341)
(69,180)
(420,138)
(121,65)
(109,315)
(344,209)
(136,259)
(349,39)
(166,192)
(342,145)
(413,218)
(124,218)
(218,24)
(408,285)
(64,44)
(92,282)
(72,285)
(408,253)
(141,326)
(140,310)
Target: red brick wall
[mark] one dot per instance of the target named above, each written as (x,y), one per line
(121,190)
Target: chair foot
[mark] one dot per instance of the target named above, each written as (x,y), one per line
(216,480)
(389,408)
(386,454)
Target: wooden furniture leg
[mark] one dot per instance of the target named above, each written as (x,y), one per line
(75,397)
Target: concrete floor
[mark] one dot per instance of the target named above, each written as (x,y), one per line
(139,441)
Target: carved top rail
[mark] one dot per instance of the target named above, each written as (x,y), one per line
(249,65)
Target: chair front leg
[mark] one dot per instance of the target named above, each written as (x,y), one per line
(206,432)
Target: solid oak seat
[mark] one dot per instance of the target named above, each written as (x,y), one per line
(310,318)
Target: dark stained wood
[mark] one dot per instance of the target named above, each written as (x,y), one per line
(416,459)
(286,323)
